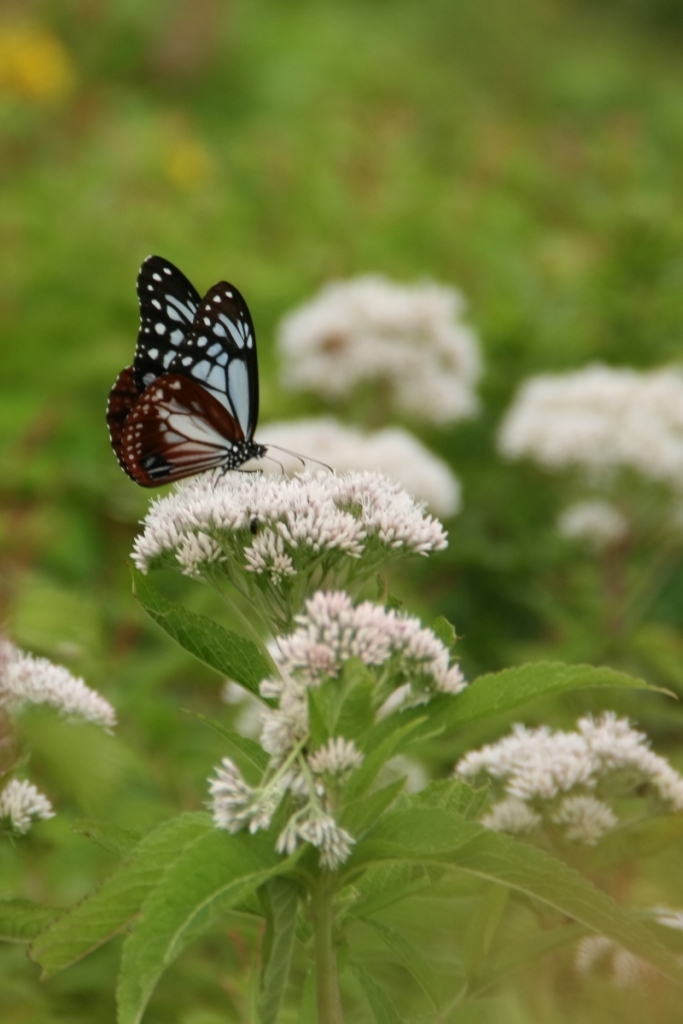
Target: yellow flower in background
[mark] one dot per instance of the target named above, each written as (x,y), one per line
(34,64)
(188,164)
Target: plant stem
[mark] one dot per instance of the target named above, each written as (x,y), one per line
(328,1000)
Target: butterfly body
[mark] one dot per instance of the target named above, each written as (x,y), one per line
(189,402)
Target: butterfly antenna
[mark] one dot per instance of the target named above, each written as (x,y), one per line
(302,459)
(276,461)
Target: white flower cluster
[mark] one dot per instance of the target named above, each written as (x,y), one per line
(392,451)
(596,522)
(20,803)
(399,653)
(25,679)
(600,419)
(236,805)
(332,630)
(371,329)
(554,776)
(277,527)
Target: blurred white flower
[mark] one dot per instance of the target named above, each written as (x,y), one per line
(20,803)
(600,419)
(25,679)
(586,818)
(597,522)
(248,718)
(392,451)
(511,815)
(624,969)
(409,338)
(557,775)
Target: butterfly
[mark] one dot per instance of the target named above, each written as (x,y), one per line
(189,402)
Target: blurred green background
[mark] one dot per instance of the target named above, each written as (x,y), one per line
(529,152)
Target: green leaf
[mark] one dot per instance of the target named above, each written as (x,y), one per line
(385,884)
(416,833)
(21,920)
(428,835)
(382,1009)
(358,815)
(111,907)
(452,795)
(360,781)
(247,754)
(317,726)
(638,840)
(525,952)
(501,691)
(357,711)
(307,1007)
(112,838)
(410,956)
(500,858)
(208,878)
(482,927)
(445,631)
(281,898)
(232,655)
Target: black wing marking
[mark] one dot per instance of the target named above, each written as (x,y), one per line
(168,303)
(220,354)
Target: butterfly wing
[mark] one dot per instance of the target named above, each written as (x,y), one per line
(176,429)
(168,304)
(189,403)
(122,399)
(220,354)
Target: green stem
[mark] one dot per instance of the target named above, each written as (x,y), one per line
(328,1000)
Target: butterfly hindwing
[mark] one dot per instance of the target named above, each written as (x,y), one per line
(168,304)
(220,353)
(176,429)
(122,399)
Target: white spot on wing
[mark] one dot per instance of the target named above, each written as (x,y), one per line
(186,310)
(173,313)
(215,349)
(222,359)
(153,353)
(238,379)
(219,330)
(237,337)
(216,379)
(168,358)
(176,336)
(201,370)
(160,328)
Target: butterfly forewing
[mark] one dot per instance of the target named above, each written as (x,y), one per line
(168,304)
(176,429)
(220,354)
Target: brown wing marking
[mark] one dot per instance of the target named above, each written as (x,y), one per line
(176,429)
(122,398)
